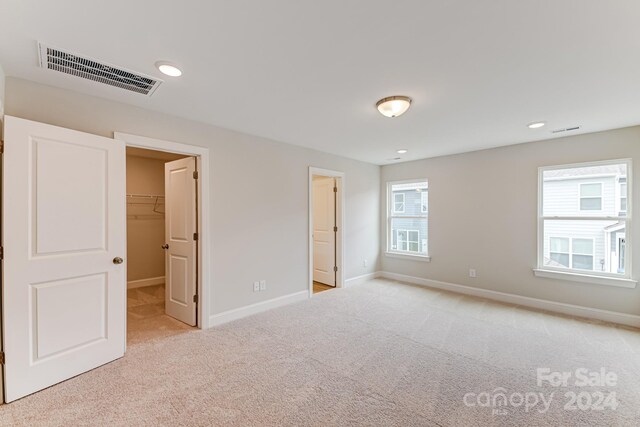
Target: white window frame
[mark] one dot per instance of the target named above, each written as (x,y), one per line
(580,196)
(394,253)
(584,276)
(395,203)
(424,208)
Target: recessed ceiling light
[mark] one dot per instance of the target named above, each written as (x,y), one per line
(536,125)
(402,151)
(393,106)
(168,69)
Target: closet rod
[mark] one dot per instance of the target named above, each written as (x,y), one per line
(145,196)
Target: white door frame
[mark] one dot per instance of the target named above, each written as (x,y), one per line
(340,184)
(205,288)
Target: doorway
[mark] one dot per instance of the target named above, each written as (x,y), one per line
(326,217)
(158,303)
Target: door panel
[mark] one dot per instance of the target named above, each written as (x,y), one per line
(64,300)
(324,242)
(180,226)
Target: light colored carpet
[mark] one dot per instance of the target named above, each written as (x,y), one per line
(145,316)
(381,353)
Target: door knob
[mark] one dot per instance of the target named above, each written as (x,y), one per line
(165,246)
(118,260)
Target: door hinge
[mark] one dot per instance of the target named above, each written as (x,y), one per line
(195,236)
(335,269)
(1,252)
(335,229)
(335,189)
(1,357)
(195,299)
(1,147)
(195,174)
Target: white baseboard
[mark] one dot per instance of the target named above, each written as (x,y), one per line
(145,282)
(558,307)
(361,279)
(239,313)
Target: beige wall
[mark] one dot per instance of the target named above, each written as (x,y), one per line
(259,191)
(145,229)
(483,215)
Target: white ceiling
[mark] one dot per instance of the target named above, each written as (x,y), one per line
(309,72)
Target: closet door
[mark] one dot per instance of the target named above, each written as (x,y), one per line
(181,245)
(64,290)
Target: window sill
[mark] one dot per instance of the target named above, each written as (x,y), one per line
(586,278)
(422,258)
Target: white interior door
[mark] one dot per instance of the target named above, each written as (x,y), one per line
(64,290)
(181,245)
(324,236)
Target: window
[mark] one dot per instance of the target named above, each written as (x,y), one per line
(591,196)
(623,195)
(581,219)
(407,218)
(398,203)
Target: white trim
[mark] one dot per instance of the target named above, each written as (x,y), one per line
(143,283)
(408,256)
(585,278)
(205,285)
(259,307)
(358,280)
(558,307)
(340,221)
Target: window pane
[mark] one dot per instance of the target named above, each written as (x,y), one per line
(583,262)
(411,235)
(623,204)
(559,244)
(561,259)
(582,191)
(408,197)
(590,190)
(592,245)
(591,204)
(583,246)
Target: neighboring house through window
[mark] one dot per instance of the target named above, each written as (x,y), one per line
(398,203)
(591,196)
(583,218)
(407,217)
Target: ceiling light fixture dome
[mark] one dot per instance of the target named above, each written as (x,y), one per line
(402,151)
(168,69)
(393,106)
(536,125)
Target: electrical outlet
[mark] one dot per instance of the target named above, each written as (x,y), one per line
(256,286)
(472,272)
(364,263)
(263,285)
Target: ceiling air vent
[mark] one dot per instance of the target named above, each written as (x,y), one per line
(80,66)
(566,129)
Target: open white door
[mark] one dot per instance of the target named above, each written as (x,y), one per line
(324,235)
(64,298)
(181,239)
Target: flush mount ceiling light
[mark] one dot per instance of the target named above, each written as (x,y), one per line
(536,125)
(402,151)
(168,69)
(393,106)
